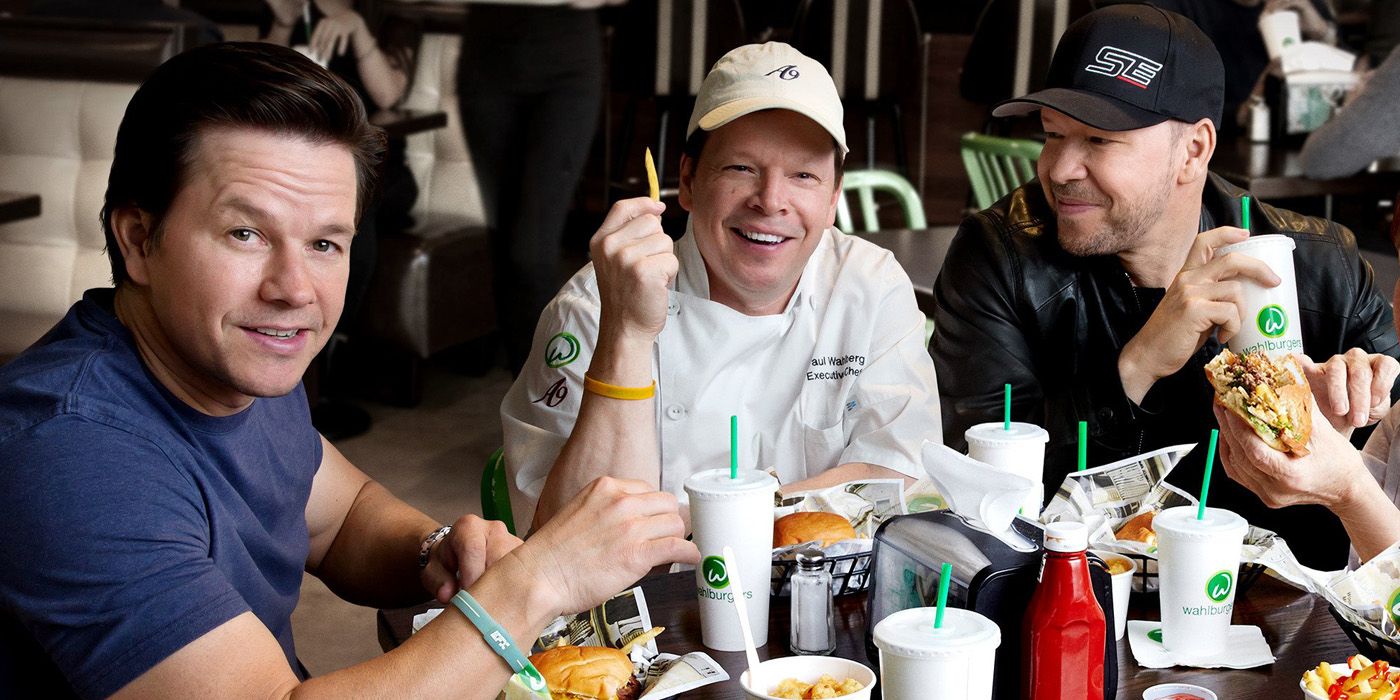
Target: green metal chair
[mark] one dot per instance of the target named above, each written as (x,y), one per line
(495,497)
(997,165)
(865,183)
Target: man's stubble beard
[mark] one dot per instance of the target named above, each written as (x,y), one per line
(1120,229)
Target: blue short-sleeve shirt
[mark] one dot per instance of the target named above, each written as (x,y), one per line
(134,524)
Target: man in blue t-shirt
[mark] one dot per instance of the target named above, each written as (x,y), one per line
(162,486)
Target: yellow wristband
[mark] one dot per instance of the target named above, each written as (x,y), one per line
(626,393)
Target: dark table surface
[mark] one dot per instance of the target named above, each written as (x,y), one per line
(920,252)
(1275,171)
(18,205)
(398,123)
(1297,626)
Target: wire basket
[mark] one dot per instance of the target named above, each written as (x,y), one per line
(1145,577)
(850,573)
(1367,642)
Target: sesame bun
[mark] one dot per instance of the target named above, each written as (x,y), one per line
(823,528)
(586,673)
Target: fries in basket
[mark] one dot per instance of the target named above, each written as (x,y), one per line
(1365,680)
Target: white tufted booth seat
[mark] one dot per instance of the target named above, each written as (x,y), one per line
(439,158)
(56,140)
(64,86)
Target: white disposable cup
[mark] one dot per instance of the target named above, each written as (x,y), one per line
(954,662)
(1268,315)
(739,513)
(1198,562)
(1280,31)
(1122,588)
(1020,450)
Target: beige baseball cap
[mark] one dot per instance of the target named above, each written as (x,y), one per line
(768,76)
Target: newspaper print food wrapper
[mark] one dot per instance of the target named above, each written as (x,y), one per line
(1106,497)
(612,624)
(866,504)
(1369,597)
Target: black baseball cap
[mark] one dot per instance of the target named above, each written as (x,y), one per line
(1128,67)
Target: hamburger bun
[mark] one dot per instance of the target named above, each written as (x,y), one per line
(587,673)
(1139,529)
(823,528)
(1272,396)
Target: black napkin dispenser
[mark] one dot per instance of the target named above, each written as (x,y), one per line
(990,576)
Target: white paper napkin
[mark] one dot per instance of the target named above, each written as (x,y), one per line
(1246,648)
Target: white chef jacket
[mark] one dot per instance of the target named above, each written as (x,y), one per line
(841,375)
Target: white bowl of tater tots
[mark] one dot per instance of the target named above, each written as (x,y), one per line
(810,678)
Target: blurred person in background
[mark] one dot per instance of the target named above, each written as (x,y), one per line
(1366,128)
(530,87)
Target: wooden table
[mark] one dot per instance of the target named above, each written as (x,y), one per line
(18,205)
(1297,626)
(398,123)
(920,252)
(1275,171)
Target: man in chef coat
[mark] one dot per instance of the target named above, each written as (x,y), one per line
(761,310)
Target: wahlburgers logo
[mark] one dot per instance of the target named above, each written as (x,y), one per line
(1155,635)
(715,573)
(1272,321)
(1394,606)
(562,349)
(532,679)
(1219,586)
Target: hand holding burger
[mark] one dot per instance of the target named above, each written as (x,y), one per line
(1271,396)
(1331,474)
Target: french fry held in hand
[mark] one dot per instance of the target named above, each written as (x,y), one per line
(1367,680)
(653,185)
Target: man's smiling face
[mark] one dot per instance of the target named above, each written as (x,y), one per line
(760,197)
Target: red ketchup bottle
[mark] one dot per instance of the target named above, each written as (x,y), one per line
(1065,627)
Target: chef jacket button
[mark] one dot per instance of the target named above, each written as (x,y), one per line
(675,412)
(1105,415)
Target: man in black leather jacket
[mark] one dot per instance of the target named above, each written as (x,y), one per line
(1094,290)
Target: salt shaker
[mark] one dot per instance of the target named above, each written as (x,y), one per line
(813,631)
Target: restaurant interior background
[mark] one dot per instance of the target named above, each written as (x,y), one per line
(422,366)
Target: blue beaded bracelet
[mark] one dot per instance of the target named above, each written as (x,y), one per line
(500,642)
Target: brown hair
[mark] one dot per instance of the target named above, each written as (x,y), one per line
(246,85)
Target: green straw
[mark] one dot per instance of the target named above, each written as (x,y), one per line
(944,577)
(733,447)
(1244,211)
(1205,482)
(1006,411)
(1083,445)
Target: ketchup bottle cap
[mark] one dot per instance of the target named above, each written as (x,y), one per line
(1066,537)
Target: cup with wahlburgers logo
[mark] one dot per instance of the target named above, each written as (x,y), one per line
(1268,315)
(737,512)
(1197,562)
